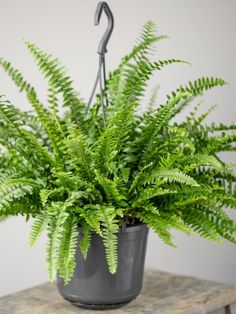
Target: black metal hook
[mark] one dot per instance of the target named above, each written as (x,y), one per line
(102,49)
(103,6)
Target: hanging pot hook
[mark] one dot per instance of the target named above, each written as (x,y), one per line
(102,49)
(103,6)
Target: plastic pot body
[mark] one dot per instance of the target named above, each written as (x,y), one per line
(93,286)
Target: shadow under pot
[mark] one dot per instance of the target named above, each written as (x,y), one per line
(93,286)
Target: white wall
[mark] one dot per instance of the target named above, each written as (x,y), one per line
(202,32)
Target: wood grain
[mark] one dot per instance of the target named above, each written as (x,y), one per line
(162,293)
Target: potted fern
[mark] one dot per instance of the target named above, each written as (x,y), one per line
(97,189)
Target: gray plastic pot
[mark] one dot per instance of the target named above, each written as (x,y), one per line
(93,286)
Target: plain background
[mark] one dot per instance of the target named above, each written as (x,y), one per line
(200,31)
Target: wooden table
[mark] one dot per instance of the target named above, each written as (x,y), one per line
(162,293)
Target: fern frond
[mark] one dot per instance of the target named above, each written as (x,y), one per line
(16,76)
(221,143)
(149,192)
(51,126)
(202,117)
(158,225)
(197,87)
(67,249)
(13,189)
(141,51)
(53,99)
(161,176)
(106,150)
(201,222)
(32,142)
(152,101)
(121,123)
(140,176)
(199,160)
(10,114)
(13,117)
(78,152)
(148,138)
(177,223)
(221,127)
(114,138)
(39,225)
(56,74)
(108,220)
(192,89)
(55,235)
(134,80)
(31,94)
(111,190)
(91,217)
(21,207)
(45,194)
(84,243)
(144,46)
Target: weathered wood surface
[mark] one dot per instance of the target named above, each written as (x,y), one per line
(162,293)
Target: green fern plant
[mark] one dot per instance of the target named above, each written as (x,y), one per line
(69,171)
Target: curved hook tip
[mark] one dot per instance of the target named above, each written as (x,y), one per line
(100,7)
(98,13)
(103,6)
